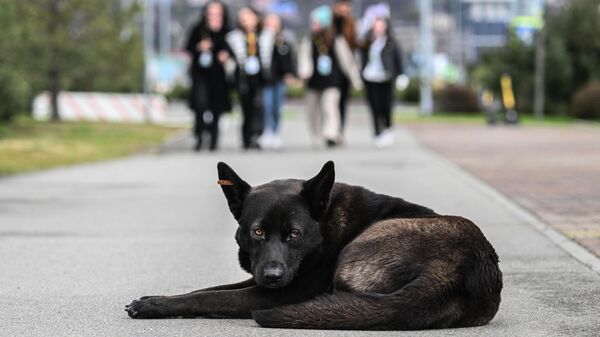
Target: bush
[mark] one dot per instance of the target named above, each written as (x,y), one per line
(586,102)
(295,91)
(179,92)
(412,93)
(13,94)
(456,98)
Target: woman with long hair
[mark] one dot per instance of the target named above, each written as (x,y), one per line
(323,62)
(381,64)
(244,43)
(209,95)
(280,68)
(344,25)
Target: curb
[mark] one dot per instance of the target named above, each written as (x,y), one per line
(579,253)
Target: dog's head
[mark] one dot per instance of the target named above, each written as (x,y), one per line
(279,222)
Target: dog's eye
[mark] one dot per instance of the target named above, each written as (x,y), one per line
(259,232)
(294,234)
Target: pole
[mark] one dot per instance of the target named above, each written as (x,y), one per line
(540,67)
(426,37)
(148,36)
(461,41)
(359,6)
(164,23)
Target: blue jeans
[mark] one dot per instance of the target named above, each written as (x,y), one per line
(273,98)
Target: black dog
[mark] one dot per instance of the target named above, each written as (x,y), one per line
(327,255)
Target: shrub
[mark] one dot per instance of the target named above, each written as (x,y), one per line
(179,92)
(586,102)
(13,95)
(456,98)
(412,93)
(295,91)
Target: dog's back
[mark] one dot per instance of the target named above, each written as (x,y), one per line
(405,273)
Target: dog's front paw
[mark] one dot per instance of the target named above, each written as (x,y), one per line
(148,307)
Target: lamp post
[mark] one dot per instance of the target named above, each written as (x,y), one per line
(540,65)
(426,40)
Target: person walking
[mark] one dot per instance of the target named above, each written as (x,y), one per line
(209,94)
(381,64)
(323,61)
(345,26)
(277,70)
(244,44)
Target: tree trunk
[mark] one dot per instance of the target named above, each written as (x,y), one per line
(54,81)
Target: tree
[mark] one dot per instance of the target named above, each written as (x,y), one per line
(14,88)
(80,45)
(572,57)
(514,59)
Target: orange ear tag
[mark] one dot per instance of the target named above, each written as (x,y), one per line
(224,182)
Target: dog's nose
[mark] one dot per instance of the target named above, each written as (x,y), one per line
(273,273)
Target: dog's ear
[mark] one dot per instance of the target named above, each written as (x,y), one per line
(234,188)
(317,190)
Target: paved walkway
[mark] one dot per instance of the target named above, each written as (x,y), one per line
(76,244)
(552,171)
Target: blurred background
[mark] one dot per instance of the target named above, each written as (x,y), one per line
(116,70)
(549,48)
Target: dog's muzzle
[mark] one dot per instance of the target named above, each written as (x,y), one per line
(272,274)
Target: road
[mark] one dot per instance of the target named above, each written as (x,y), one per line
(78,243)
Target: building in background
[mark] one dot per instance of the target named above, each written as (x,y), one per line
(486,23)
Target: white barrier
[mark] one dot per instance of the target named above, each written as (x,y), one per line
(106,107)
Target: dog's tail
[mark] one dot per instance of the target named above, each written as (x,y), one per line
(358,311)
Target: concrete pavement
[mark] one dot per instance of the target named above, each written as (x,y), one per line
(76,244)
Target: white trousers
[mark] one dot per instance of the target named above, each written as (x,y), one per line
(323,113)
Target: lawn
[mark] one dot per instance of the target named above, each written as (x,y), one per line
(527,120)
(27,145)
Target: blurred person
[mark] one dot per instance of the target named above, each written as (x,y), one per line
(209,95)
(277,70)
(323,61)
(381,64)
(244,44)
(345,26)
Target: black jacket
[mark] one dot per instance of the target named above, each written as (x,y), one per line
(283,62)
(334,79)
(391,57)
(210,90)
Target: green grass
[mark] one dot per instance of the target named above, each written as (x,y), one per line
(464,118)
(27,145)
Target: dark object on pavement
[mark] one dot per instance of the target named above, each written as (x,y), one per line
(456,98)
(511,117)
(586,102)
(326,255)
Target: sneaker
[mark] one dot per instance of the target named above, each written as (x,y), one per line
(330,143)
(276,143)
(379,141)
(385,139)
(389,137)
(266,140)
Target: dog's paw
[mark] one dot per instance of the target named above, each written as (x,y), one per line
(148,307)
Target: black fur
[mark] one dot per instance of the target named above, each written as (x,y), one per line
(326,255)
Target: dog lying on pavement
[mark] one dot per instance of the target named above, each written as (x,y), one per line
(326,255)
